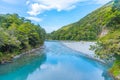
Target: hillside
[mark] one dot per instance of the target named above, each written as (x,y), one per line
(17,35)
(88,28)
(102,25)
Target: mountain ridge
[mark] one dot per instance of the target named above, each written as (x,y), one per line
(90,26)
(102,26)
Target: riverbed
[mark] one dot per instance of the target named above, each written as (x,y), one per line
(82,47)
(55,62)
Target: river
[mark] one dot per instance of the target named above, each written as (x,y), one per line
(55,62)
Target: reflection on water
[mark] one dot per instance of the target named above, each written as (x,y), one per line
(21,67)
(57,62)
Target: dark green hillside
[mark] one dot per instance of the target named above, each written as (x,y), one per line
(17,35)
(88,28)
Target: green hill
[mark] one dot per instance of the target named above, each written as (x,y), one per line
(91,27)
(102,25)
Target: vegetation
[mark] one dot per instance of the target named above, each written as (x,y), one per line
(108,47)
(90,28)
(115,70)
(18,34)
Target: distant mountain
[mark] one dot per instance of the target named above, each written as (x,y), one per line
(93,26)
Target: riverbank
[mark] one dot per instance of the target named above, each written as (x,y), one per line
(14,56)
(115,70)
(82,47)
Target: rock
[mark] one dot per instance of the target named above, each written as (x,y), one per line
(118,77)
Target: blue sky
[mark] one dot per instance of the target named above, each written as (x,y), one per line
(51,14)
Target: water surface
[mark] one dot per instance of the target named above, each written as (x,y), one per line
(55,62)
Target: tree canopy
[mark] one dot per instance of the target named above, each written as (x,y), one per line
(18,34)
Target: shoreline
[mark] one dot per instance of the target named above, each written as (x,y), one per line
(21,54)
(28,52)
(83,48)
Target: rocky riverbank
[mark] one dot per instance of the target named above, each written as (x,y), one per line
(82,47)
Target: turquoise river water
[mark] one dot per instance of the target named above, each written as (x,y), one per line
(55,62)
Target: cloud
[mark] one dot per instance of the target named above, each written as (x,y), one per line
(102,1)
(34,19)
(40,6)
(27,2)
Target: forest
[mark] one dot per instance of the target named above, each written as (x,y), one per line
(18,35)
(108,47)
(90,28)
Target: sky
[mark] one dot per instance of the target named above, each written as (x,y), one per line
(51,14)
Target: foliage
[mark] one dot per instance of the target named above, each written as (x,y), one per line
(88,28)
(18,34)
(116,5)
(108,47)
(91,26)
(115,70)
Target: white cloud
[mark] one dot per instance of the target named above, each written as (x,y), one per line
(40,6)
(101,1)
(27,2)
(34,19)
